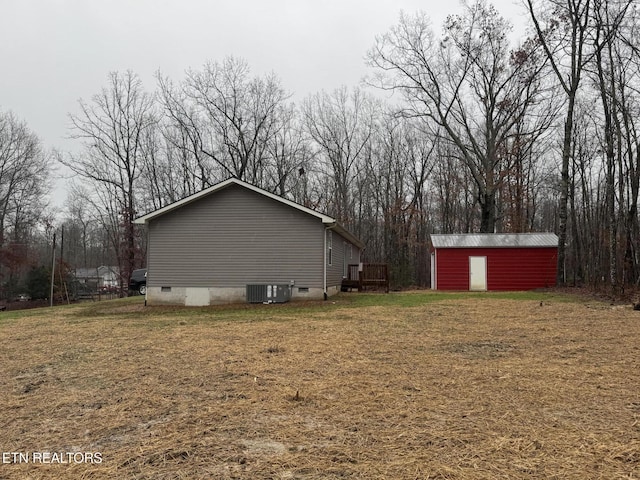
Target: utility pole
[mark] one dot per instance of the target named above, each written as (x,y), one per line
(53,267)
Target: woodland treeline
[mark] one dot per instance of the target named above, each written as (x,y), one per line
(453,132)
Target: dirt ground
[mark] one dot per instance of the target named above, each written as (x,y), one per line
(459,388)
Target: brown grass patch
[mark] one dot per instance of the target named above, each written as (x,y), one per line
(454,389)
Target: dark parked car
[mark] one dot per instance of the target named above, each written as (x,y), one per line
(138,281)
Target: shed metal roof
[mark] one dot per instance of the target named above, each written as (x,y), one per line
(494,240)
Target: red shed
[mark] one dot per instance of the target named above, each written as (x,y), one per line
(494,261)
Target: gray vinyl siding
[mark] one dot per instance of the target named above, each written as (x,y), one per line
(335,271)
(234,237)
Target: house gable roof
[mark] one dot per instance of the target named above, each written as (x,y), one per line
(328,221)
(495,240)
(96,272)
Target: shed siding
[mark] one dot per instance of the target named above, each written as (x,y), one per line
(234,237)
(507,268)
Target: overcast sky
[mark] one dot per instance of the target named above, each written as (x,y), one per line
(54,52)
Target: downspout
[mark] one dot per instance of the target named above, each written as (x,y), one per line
(324,263)
(146,260)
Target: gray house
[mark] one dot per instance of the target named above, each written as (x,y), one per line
(206,248)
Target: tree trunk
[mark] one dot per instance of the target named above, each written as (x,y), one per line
(487,213)
(564,193)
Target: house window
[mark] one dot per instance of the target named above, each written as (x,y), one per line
(165,289)
(330,247)
(350,252)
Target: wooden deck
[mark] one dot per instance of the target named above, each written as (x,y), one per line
(371,275)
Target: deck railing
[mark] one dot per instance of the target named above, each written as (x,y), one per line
(365,275)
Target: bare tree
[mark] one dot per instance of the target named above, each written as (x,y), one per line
(225,118)
(78,227)
(468,83)
(613,88)
(185,133)
(112,129)
(88,230)
(289,156)
(627,58)
(24,173)
(341,125)
(24,168)
(562,28)
(400,159)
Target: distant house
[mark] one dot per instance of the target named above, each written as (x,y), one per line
(98,277)
(207,248)
(521,261)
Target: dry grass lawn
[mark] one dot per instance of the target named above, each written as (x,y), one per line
(403,386)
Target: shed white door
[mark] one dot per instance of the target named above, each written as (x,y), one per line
(478,273)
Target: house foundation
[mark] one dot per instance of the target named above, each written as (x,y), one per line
(203,296)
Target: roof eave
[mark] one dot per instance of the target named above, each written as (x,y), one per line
(219,186)
(345,233)
(328,221)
